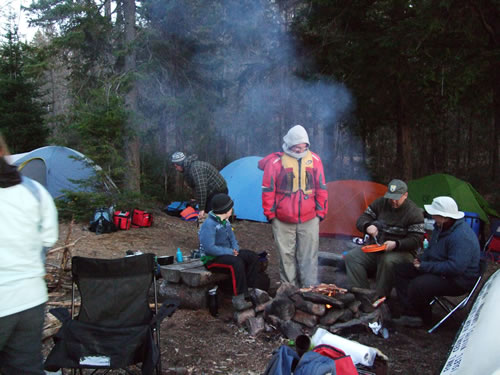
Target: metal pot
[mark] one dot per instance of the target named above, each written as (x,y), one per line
(165,260)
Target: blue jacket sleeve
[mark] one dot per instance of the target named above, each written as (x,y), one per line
(458,257)
(207,236)
(232,238)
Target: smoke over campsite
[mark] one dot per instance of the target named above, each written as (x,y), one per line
(228,82)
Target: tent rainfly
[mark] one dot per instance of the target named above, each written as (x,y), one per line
(244,182)
(424,190)
(58,168)
(347,200)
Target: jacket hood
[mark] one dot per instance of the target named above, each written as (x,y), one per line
(189,159)
(263,162)
(295,136)
(9,176)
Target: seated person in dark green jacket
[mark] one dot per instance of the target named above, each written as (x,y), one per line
(395,221)
(448,267)
(220,250)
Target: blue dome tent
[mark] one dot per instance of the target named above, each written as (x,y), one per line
(59,168)
(244,182)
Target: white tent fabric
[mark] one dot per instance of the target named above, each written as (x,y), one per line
(475,350)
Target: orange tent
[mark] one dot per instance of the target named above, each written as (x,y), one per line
(347,199)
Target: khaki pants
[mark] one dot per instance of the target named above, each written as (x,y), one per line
(298,250)
(358,264)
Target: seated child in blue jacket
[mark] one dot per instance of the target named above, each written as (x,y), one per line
(220,250)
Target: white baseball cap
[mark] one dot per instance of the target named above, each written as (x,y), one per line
(444,206)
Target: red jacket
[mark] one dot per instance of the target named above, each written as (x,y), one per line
(278,198)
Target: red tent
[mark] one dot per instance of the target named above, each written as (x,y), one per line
(347,199)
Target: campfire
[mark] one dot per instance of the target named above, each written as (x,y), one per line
(297,311)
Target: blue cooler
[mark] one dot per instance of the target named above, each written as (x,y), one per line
(475,223)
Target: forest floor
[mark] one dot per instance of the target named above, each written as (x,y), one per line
(193,342)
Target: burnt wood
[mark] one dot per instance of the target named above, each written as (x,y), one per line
(321,298)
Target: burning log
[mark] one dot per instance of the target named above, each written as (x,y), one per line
(328,289)
(307,306)
(324,299)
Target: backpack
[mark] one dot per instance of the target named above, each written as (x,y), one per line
(283,361)
(175,208)
(122,220)
(343,362)
(189,214)
(101,222)
(141,219)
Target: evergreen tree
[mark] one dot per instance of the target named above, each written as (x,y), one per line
(21,108)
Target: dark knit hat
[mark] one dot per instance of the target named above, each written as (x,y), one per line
(221,203)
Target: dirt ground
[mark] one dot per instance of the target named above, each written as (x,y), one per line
(194,342)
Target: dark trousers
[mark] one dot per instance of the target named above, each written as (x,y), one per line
(416,290)
(242,268)
(21,342)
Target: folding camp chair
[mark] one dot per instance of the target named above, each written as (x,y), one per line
(492,246)
(115,327)
(451,307)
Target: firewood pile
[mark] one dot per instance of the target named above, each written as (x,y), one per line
(297,311)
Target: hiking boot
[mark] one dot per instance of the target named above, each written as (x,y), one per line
(409,321)
(240,304)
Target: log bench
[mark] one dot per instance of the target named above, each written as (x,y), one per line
(189,281)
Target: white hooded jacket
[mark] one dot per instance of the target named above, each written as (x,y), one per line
(27,225)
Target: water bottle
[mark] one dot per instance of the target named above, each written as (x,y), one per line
(426,243)
(213,304)
(179,257)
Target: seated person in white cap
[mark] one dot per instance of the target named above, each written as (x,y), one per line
(395,221)
(220,250)
(448,267)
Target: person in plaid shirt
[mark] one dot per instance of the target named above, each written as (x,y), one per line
(202,177)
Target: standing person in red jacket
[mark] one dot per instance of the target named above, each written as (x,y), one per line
(295,199)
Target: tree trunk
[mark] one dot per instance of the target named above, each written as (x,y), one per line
(404,145)
(489,16)
(132,144)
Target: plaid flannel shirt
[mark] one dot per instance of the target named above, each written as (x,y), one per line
(205,179)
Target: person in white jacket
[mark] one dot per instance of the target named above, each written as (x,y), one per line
(28,227)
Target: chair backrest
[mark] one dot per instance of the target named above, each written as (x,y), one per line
(114,292)
(483,266)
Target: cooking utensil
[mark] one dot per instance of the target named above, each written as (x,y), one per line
(165,260)
(374,248)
